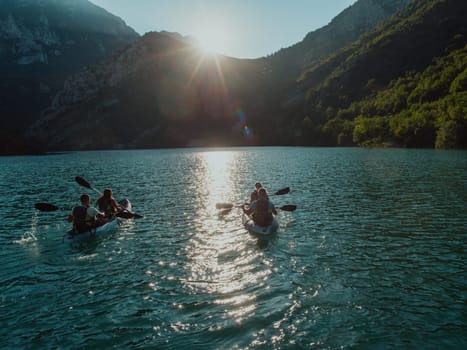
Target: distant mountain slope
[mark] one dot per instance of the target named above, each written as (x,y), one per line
(407,41)
(159,92)
(406,44)
(41,43)
(174,98)
(345,28)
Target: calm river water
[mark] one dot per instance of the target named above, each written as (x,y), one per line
(373,258)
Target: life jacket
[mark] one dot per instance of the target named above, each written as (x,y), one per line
(82,222)
(105,205)
(262,213)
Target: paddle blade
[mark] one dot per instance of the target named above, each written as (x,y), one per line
(46,207)
(288,207)
(282,191)
(224,211)
(83,182)
(128,215)
(224,205)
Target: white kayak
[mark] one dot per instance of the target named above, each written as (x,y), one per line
(71,237)
(260,230)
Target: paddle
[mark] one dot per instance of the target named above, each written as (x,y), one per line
(48,207)
(280,192)
(86,184)
(288,207)
(226,206)
(123,214)
(128,215)
(51,207)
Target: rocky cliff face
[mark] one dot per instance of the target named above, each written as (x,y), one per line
(39,31)
(87,83)
(41,43)
(22,45)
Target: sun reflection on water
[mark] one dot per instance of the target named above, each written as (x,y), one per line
(219,175)
(222,262)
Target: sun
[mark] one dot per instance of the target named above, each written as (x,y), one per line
(211,43)
(213,38)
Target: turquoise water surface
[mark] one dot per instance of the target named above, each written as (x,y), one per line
(373,257)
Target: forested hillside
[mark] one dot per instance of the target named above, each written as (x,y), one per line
(403,84)
(419,109)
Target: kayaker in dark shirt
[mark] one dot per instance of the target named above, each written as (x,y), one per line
(85,217)
(107,203)
(261,210)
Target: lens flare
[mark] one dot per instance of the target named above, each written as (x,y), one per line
(247,131)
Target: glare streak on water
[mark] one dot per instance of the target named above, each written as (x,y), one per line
(374,256)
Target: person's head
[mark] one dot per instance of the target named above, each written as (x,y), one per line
(107,193)
(85,199)
(262,194)
(258,185)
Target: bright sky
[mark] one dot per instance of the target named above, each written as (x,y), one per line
(238,28)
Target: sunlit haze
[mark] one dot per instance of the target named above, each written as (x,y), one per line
(238,28)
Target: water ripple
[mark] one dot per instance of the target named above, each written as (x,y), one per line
(374,256)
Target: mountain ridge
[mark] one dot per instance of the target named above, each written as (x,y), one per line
(161,91)
(257,87)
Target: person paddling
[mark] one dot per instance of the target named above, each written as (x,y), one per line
(107,203)
(254,194)
(262,209)
(85,217)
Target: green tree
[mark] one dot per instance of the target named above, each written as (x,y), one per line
(447,135)
(459,84)
(370,131)
(307,123)
(339,131)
